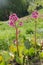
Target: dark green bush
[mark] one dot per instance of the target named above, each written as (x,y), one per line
(14,6)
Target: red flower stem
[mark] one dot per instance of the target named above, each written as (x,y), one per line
(17,39)
(35,36)
(35,33)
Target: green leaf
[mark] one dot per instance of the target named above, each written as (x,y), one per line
(18,60)
(41,55)
(27,44)
(2,63)
(31,51)
(6,56)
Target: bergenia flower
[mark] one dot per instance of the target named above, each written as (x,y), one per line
(21,24)
(12,19)
(11,23)
(35,14)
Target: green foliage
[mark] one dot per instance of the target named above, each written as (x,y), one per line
(31,8)
(27,44)
(39,2)
(35,5)
(41,55)
(2,63)
(3,45)
(31,52)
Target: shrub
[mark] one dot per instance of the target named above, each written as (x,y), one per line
(19,7)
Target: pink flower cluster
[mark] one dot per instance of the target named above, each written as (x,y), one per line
(35,14)
(21,24)
(12,19)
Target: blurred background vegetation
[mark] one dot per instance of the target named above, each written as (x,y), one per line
(20,7)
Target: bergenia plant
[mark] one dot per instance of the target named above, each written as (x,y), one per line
(13,20)
(35,16)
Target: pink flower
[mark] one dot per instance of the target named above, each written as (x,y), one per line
(11,23)
(12,19)
(35,14)
(21,23)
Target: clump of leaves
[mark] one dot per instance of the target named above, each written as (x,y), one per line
(31,52)
(41,55)
(29,31)
(27,44)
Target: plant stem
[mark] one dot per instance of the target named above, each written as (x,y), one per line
(35,36)
(23,59)
(35,33)
(17,40)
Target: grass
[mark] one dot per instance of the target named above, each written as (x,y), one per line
(7,32)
